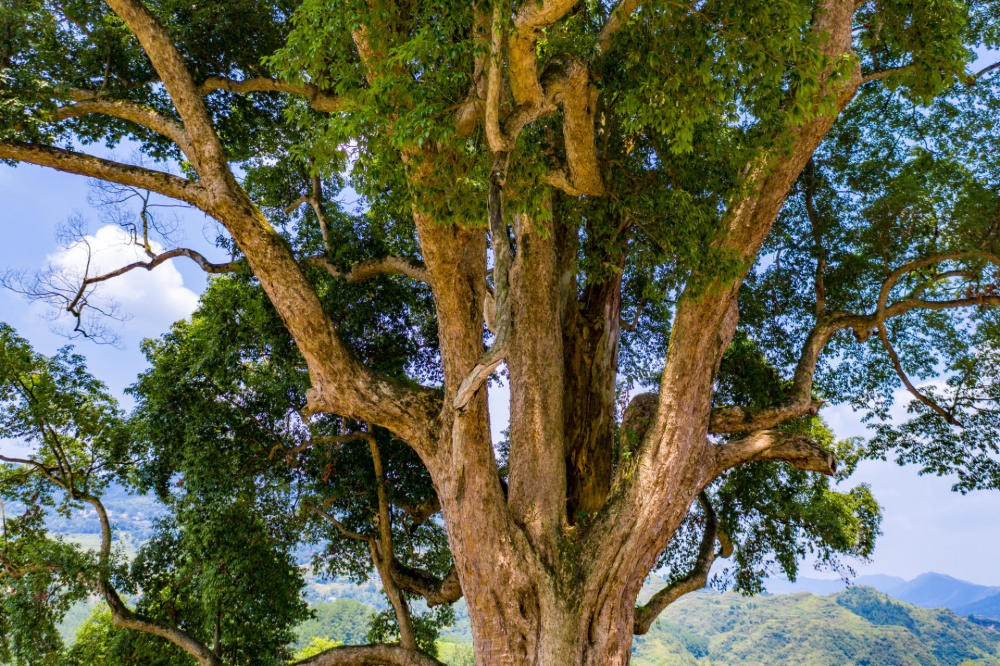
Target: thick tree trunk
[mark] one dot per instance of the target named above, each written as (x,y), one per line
(590,341)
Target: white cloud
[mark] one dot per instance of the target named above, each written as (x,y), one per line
(151,300)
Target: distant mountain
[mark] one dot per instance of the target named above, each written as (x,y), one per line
(930,590)
(934,590)
(858,626)
(984,608)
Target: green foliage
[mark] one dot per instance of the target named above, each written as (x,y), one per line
(70,427)
(693,100)
(343,621)
(858,626)
(100,643)
(317,645)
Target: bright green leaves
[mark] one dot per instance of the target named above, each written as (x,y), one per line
(62,431)
(99,643)
(58,410)
(400,93)
(40,578)
(775,516)
(923,40)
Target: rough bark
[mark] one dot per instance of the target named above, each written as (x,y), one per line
(542,587)
(590,341)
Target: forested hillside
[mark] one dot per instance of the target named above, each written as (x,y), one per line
(857,626)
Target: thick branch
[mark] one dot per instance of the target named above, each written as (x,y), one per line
(530,21)
(435,591)
(370,655)
(134,113)
(210,157)
(95,167)
(318,99)
(797,450)
(619,16)
(390,265)
(573,91)
(694,580)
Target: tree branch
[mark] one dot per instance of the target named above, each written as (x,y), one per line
(694,580)
(363,270)
(132,112)
(503,258)
(884,73)
(435,591)
(123,616)
(155,261)
(800,402)
(797,450)
(370,655)
(983,72)
(95,167)
(318,99)
(210,156)
(945,414)
(617,19)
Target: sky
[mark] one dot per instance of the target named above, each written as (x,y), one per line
(926,526)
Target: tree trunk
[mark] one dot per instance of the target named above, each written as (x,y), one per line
(591,331)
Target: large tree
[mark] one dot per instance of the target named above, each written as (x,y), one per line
(595,194)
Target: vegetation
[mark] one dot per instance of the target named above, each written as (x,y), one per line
(852,627)
(752,208)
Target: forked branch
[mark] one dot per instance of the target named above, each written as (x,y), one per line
(801,402)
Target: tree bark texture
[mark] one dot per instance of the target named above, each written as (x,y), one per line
(551,559)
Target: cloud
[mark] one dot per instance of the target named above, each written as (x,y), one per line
(150,300)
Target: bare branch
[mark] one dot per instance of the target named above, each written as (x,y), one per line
(797,450)
(945,414)
(95,167)
(195,256)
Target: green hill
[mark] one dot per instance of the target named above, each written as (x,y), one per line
(858,626)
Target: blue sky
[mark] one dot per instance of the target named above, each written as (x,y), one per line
(926,526)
